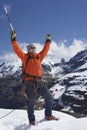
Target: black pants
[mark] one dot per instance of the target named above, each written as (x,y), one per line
(34,88)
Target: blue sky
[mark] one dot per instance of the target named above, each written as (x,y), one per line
(32,19)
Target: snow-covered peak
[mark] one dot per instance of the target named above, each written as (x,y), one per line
(17,120)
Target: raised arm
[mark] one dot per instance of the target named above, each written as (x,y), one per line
(16,47)
(46,47)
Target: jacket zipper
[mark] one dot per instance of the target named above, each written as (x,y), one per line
(36,67)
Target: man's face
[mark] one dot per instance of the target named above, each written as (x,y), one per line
(32,49)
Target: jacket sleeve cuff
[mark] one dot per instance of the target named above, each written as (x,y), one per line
(48,40)
(14,39)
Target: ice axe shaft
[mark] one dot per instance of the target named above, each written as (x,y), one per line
(10,23)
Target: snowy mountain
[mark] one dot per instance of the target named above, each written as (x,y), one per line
(66,80)
(73,84)
(17,120)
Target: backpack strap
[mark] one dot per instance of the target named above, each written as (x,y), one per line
(24,67)
(29,57)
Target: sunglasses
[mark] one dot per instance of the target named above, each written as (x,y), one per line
(33,48)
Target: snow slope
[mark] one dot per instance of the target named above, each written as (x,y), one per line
(17,120)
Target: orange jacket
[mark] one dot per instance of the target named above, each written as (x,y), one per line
(34,66)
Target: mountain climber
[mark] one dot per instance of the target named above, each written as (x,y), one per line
(32,76)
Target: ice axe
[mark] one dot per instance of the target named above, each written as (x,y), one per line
(9,20)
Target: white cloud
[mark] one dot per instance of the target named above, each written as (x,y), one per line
(61,50)
(56,52)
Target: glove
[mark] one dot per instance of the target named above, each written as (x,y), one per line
(48,38)
(13,35)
